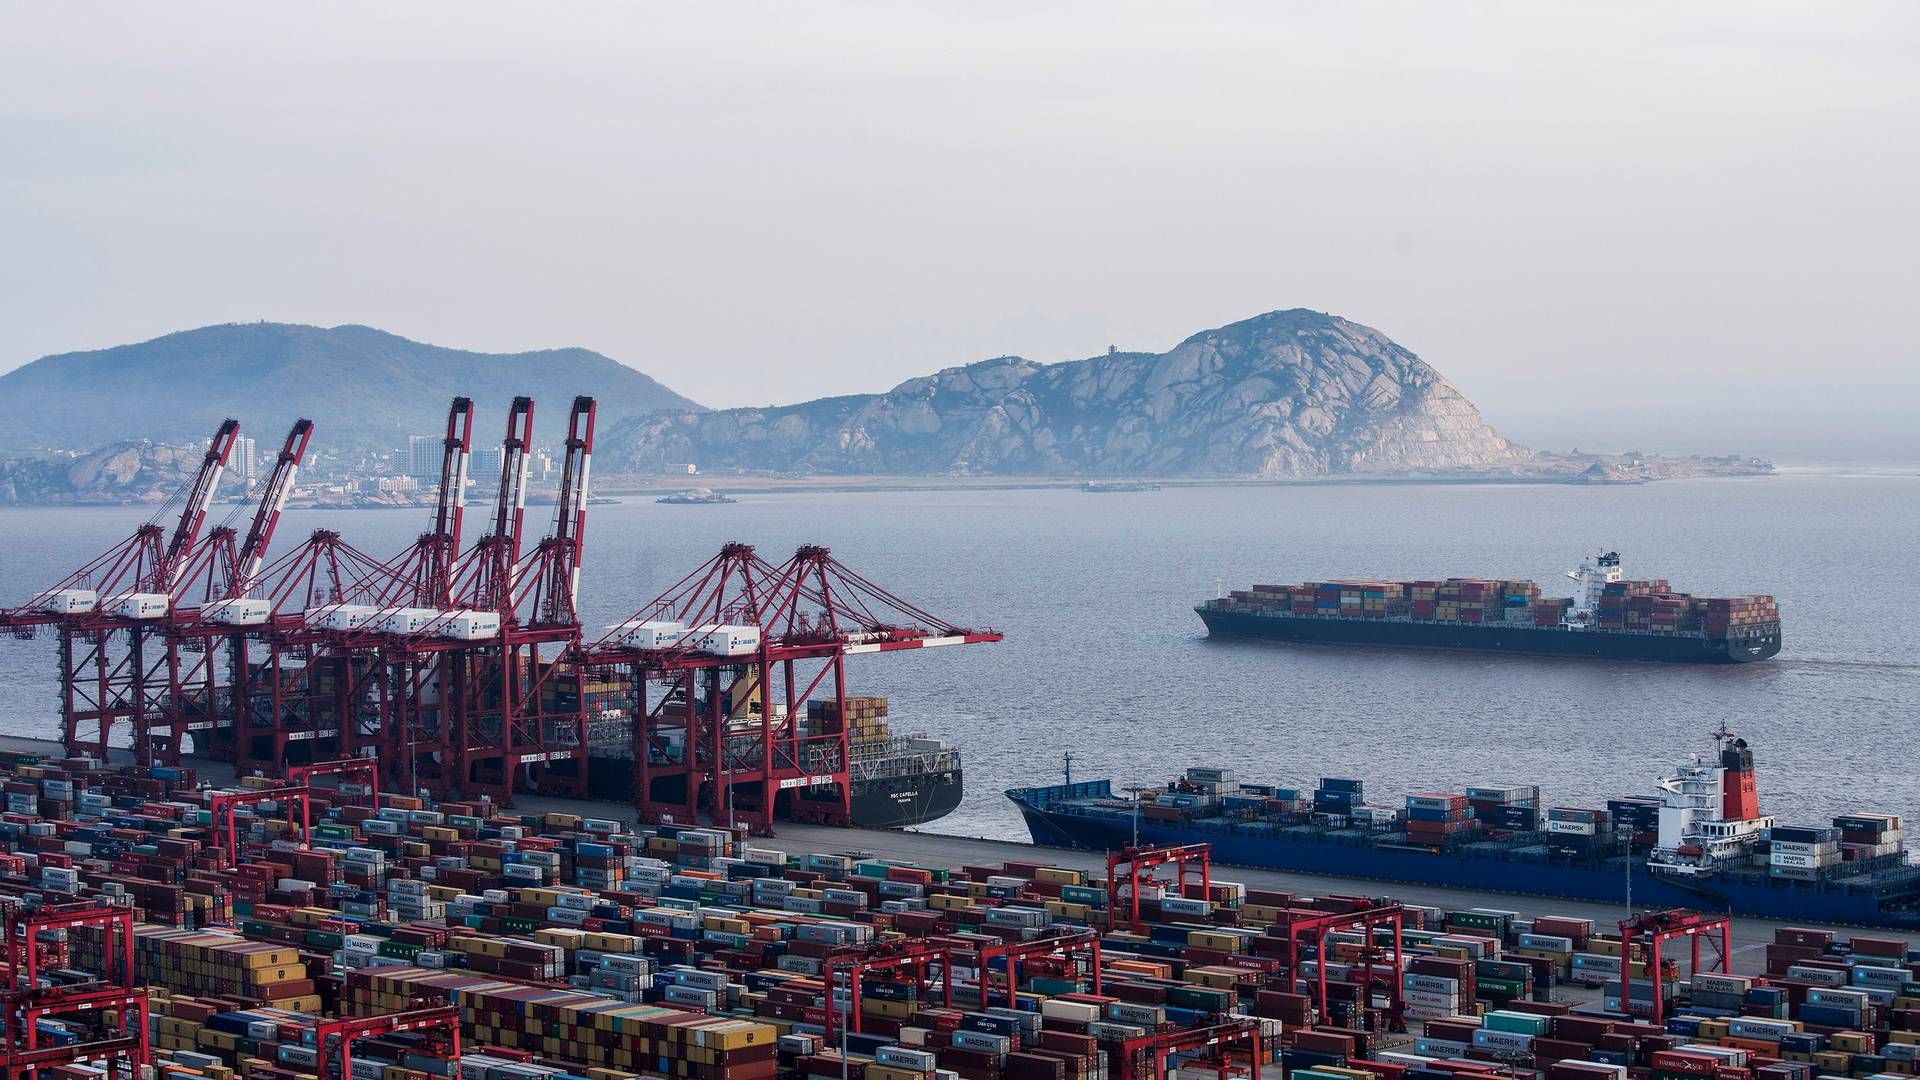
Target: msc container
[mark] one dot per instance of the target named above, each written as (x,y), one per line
(139,605)
(70,601)
(242,611)
(468,625)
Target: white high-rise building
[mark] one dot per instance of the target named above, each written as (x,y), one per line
(424,453)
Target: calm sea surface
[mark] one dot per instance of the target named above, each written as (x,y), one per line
(1105,658)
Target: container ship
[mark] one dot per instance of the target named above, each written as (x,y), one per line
(1699,841)
(1608,616)
(896,780)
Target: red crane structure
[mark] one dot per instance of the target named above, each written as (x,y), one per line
(1136,866)
(115,668)
(334,1038)
(1144,1057)
(1654,929)
(112,1009)
(366,770)
(1072,946)
(477,697)
(205,642)
(927,961)
(1303,928)
(720,665)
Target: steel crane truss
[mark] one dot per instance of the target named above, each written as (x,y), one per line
(1072,947)
(112,673)
(334,1038)
(1302,928)
(125,1040)
(23,940)
(488,713)
(719,722)
(226,826)
(928,962)
(1137,866)
(1145,1057)
(365,771)
(1656,928)
(24,1004)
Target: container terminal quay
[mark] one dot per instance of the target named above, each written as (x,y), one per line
(1750,936)
(318,815)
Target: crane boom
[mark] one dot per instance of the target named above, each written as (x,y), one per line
(510,508)
(443,543)
(193,515)
(562,591)
(253,551)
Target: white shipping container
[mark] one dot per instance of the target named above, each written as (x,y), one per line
(242,611)
(728,639)
(139,605)
(70,601)
(339,616)
(468,625)
(406,620)
(650,633)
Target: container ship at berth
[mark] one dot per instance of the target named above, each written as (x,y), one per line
(1700,841)
(1608,616)
(897,780)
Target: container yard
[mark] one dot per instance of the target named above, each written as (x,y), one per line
(288,928)
(1608,616)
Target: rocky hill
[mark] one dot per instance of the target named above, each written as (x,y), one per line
(366,390)
(123,472)
(1286,394)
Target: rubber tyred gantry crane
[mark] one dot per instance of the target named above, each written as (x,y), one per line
(1656,928)
(112,612)
(721,664)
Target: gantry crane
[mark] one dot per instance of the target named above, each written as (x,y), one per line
(110,616)
(736,648)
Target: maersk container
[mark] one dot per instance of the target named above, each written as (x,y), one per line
(406,620)
(70,601)
(139,605)
(469,625)
(243,611)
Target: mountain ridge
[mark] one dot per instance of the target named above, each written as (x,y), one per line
(1288,393)
(366,389)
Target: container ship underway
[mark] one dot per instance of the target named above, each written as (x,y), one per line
(1608,616)
(1700,841)
(896,780)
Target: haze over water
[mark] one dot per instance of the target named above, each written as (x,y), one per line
(1105,658)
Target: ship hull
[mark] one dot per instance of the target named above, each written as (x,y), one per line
(888,802)
(1795,901)
(1524,640)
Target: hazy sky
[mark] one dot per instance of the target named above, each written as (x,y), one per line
(1602,220)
